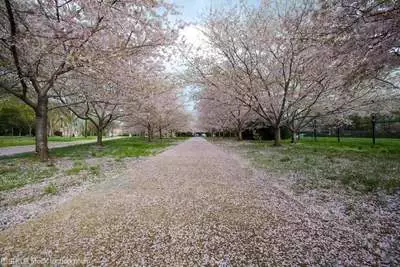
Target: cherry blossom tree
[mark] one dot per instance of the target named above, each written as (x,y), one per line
(267,59)
(159,109)
(98,100)
(41,41)
(264,61)
(221,111)
(364,32)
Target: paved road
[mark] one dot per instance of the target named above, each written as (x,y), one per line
(14,150)
(191,205)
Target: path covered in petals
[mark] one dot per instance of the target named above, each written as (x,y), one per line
(193,204)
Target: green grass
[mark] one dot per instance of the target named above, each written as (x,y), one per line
(22,169)
(17,173)
(94,170)
(7,141)
(119,148)
(354,162)
(80,166)
(363,145)
(75,170)
(50,189)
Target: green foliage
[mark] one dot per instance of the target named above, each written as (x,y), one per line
(15,117)
(360,123)
(50,189)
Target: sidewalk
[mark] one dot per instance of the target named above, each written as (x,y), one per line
(14,150)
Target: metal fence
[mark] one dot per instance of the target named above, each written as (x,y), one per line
(374,129)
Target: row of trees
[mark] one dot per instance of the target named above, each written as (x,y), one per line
(98,59)
(159,111)
(15,118)
(285,64)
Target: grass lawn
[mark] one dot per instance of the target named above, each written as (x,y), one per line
(119,148)
(363,145)
(22,169)
(7,141)
(354,162)
(19,172)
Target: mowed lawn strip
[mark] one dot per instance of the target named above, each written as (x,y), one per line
(353,162)
(22,169)
(9,141)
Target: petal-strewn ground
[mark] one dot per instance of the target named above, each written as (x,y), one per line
(194,204)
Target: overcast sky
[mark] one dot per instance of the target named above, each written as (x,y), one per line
(192,11)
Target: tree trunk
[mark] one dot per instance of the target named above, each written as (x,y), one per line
(100,137)
(85,130)
(160,132)
(277,135)
(41,128)
(295,137)
(149,133)
(239,134)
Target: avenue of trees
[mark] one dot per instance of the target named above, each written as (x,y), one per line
(289,63)
(282,64)
(87,58)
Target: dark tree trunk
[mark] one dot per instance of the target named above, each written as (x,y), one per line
(100,137)
(41,128)
(295,137)
(277,136)
(160,132)
(149,133)
(239,134)
(85,130)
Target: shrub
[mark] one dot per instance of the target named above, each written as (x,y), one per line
(58,133)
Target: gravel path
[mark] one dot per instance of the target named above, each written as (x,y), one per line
(193,204)
(14,150)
